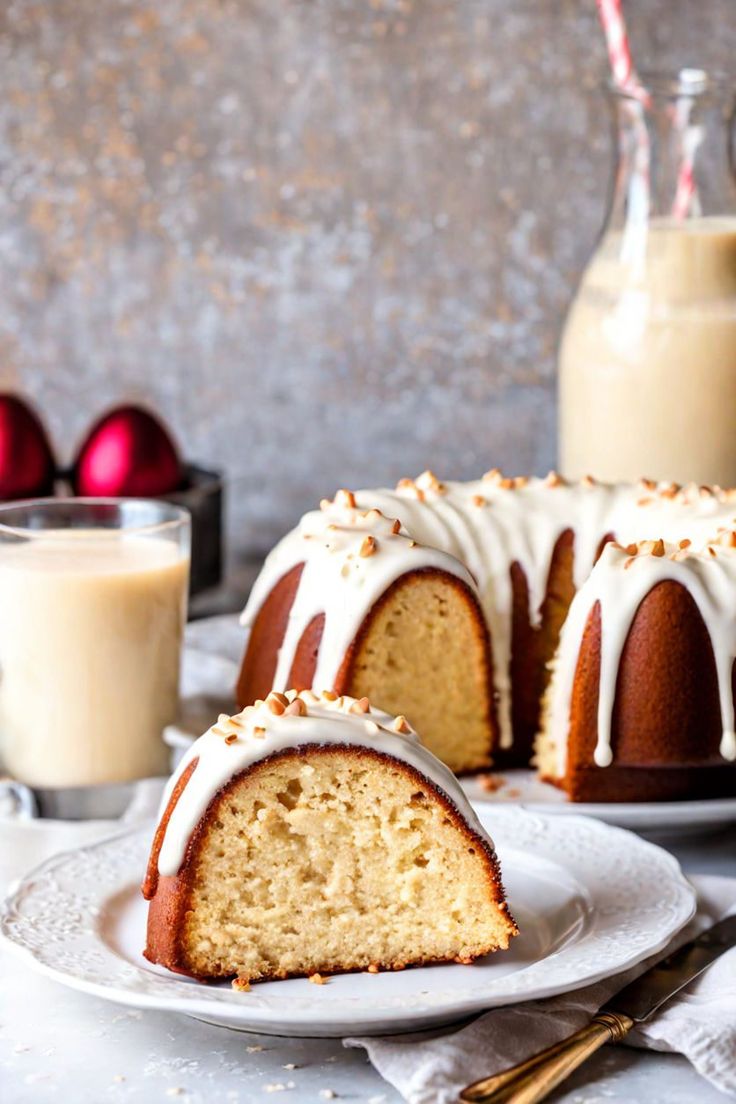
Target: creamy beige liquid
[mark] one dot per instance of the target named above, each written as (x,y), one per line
(90,638)
(648,358)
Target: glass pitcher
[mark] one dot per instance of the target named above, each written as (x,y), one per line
(647,366)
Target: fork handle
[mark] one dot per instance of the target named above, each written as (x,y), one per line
(535,1078)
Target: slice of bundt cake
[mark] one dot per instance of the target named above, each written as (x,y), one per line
(313,835)
(641,703)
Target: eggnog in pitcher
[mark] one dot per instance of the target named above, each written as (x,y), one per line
(648,357)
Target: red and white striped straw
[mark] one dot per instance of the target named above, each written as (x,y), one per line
(627,80)
(617,42)
(686,194)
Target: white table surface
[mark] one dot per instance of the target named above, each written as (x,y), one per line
(57,1045)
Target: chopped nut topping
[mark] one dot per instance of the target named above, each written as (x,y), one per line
(478,500)
(297,708)
(491,782)
(493,476)
(401,726)
(658,549)
(647,484)
(345,498)
(684,543)
(275,706)
(360,706)
(632,549)
(308,696)
(259,732)
(553,479)
(711,550)
(396,527)
(329,695)
(231,738)
(507,484)
(587,481)
(430,481)
(241,984)
(373,968)
(629,562)
(646,501)
(368,547)
(317,979)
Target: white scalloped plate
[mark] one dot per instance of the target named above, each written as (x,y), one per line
(590,901)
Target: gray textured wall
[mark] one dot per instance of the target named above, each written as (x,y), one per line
(331,240)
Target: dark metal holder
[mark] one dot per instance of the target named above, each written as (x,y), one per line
(203,498)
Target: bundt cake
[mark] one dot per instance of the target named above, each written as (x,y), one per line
(445,602)
(311,835)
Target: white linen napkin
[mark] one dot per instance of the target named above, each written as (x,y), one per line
(432,1067)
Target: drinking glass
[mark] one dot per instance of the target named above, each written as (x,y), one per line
(93,601)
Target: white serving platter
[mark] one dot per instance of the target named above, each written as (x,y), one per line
(655,818)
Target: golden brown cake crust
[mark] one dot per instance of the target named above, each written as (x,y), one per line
(259,661)
(301,676)
(170,896)
(666,669)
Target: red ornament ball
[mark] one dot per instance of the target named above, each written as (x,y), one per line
(127,453)
(27,466)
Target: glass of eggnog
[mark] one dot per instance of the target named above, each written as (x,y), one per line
(93,594)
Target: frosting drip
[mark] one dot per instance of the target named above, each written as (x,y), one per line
(475,531)
(291,721)
(709,576)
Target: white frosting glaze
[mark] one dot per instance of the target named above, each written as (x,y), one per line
(709,576)
(481,528)
(236,743)
(338,580)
